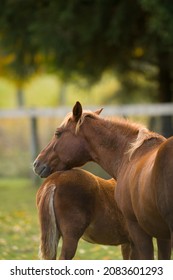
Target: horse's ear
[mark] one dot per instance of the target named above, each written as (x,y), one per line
(77,111)
(98,111)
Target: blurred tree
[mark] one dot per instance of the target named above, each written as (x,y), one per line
(90,36)
(159,51)
(15,42)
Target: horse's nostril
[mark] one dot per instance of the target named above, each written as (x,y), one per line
(41,169)
(35,163)
(36,166)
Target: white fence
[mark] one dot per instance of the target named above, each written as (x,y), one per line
(165,109)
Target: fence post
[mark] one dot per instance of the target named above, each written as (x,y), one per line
(34,142)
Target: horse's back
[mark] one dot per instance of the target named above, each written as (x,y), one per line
(136,194)
(73,178)
(164,180)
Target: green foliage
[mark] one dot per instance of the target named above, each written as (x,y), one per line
(84,36)
(160,22)
(16,37)
(87,38)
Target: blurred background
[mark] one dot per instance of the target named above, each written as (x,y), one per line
(105,53)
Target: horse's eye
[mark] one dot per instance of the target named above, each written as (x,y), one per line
(58,133)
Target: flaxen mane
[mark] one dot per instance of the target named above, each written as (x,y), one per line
(143,135)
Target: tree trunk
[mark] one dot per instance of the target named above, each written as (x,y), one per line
(20,97)
(165,90)
(62,94)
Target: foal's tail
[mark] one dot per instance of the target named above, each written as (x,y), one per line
(49,231)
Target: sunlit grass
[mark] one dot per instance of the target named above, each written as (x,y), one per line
(18,220)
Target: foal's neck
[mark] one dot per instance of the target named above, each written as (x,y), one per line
(109,142)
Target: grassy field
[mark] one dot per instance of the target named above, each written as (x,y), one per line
(19,229)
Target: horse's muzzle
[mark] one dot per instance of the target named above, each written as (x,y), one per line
(43,170)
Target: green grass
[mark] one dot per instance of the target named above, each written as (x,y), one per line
(18,220)
(19,229)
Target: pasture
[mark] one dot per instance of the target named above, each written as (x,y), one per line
(19,236)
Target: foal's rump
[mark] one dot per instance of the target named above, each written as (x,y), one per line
(65,202)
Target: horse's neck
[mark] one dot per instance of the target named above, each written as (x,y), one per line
(108,143)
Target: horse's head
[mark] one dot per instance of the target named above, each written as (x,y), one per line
(68,148)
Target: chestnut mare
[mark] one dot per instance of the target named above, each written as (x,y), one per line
(74,204)
(140,160)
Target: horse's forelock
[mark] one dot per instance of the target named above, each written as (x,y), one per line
(66,119)
(85,114)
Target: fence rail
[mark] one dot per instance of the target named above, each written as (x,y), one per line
(158,109)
